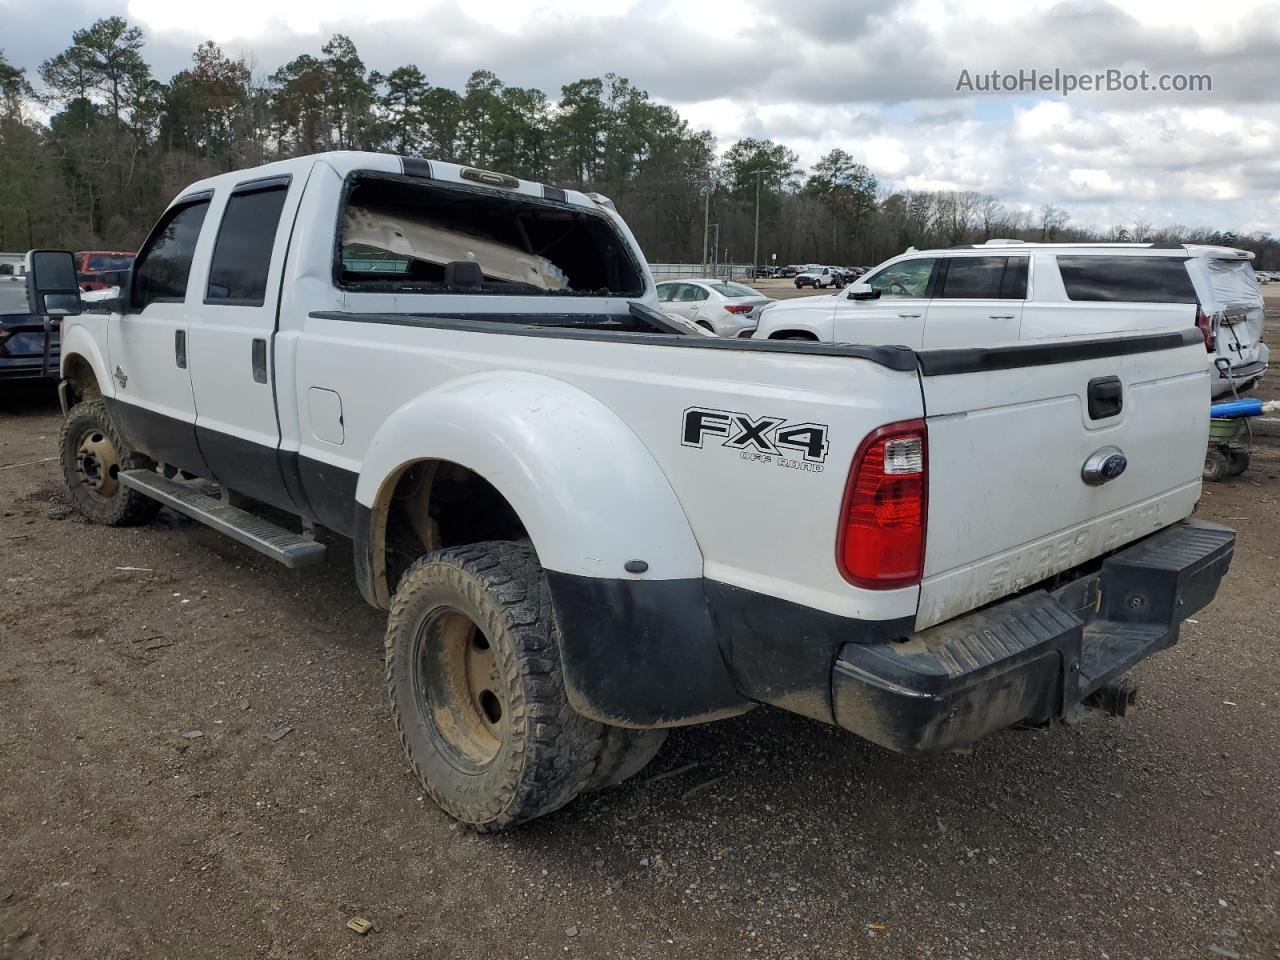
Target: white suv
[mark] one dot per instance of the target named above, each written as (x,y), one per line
(1005,291)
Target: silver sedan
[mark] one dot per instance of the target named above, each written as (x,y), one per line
(723,307)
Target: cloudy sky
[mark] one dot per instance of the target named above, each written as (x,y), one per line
(876,78)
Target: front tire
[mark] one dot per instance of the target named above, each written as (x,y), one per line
(477,694)
(93,454)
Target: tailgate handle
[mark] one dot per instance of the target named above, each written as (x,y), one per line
(1106,397)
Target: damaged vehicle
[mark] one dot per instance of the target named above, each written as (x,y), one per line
(589,524)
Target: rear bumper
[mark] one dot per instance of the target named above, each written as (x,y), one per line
(1242,375)
(1033,657)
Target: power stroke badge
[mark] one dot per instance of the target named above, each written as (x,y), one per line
(798,446)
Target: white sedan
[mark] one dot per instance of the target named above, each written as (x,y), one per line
(725,308)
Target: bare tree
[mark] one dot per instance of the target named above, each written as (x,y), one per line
(990,212)
(1052,219)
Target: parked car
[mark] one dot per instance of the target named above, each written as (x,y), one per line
(816,277)
(102,268)
(790,270)
(1010,292)
(11,265)
(22,335)
(723,307)
(588,525)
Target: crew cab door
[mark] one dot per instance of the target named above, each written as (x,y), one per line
(148,345)
(232,333)
(978,302)
(897,316)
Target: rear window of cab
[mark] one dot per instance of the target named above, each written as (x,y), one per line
(1126,279)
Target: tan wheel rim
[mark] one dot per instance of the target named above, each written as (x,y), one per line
(98,464)
(459,689)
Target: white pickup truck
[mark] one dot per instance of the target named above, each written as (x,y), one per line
(588,525)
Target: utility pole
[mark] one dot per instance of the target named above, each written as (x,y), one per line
(755,247)
(706,227)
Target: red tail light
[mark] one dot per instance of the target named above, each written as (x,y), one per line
(880,544)
(738,307)
(1204,323)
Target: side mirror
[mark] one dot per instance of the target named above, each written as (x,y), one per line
(52,286)
(862,291)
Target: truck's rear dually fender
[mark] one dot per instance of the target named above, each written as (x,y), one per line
(604,521)
(588,492)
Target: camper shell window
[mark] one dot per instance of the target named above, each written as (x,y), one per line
(399,235)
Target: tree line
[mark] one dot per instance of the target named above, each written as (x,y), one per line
(90,157)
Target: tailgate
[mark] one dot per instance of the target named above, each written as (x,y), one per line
(1010,431)
(1240,331)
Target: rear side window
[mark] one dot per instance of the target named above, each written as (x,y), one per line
(1233,281)
(985,278)
(734,290)
(1127,279)
(242,255)
(161,271)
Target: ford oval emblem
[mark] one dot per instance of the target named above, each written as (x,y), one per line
(1104,465)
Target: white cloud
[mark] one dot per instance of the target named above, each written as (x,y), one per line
(874,77)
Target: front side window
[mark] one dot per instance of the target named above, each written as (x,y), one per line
(163,267)
(906,278)
(985,278)
(246,239)
(1127,279)
(666,291)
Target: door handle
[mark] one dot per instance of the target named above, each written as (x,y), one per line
(259,360)
(909,316)
(180,348)
(1000,316)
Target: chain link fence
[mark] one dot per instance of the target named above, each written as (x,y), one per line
(696,271)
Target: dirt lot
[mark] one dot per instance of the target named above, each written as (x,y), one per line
(123,834)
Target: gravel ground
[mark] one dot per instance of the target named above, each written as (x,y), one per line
(126,834)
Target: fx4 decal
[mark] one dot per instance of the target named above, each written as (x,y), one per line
(764,436)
